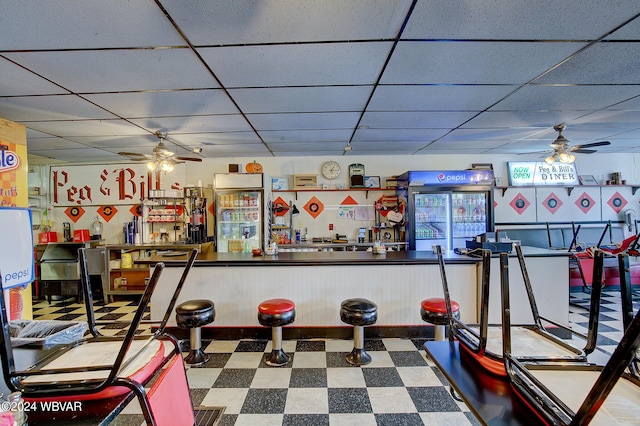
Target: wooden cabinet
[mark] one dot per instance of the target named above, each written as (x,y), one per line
(130,278)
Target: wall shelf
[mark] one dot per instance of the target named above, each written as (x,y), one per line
(317,190)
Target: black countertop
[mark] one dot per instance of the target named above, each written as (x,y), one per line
(328,258)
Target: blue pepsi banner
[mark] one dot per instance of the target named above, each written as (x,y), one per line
(448,177)
(16,247)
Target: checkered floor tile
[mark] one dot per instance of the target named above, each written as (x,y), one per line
(318,387)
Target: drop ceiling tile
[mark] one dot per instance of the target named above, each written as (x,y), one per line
(60,24)
(330,148)
(297,64)
(414,119)
(119,70)
(73,154)
(54,107)
(494,63)
(544,119)
(178,103)
(603,63)
(301,99)
(276,21)
(234,150)
(517,19)
(305,135)
(577,98)
(86,127)
(398,134)
(621,118)
(143,143)
(196,123)
(503,134)
(462,144)
(436,98)
(390,145)
(300,121)
(221,138)
(632,104)
(465,151)
(17,81)
(49,143)
(628,32)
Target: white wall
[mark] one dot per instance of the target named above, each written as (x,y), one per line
(383,166)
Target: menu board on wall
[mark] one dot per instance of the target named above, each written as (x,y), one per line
(523,173)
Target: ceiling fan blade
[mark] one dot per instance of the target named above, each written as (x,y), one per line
(535,152)
(188,159)
(589,145)
(135,154)
(584,151)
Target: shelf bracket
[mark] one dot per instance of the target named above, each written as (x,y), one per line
(504,190)
(634,189)
(570,190)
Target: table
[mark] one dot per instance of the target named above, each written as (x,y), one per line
(489,397)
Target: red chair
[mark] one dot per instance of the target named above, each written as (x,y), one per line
(98,369)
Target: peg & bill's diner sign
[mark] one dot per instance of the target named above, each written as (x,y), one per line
(540,173)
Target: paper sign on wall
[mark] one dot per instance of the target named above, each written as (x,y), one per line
(16,247)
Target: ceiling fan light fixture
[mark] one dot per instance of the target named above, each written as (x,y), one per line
(566,158)
(550,159)
(166,166)
(151,165)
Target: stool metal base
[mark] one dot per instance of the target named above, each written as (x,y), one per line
(196,357)
(277,358)
(358,357)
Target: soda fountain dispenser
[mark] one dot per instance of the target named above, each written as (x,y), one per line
(199,225)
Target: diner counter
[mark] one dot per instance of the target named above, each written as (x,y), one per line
(319,281)
(179,257)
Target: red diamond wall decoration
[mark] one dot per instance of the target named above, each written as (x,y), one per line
(280,207)
(552,203)
(74,213)
(519,204)
(314,207)
(136,210)
(107,212)
(585,203)
(617,202)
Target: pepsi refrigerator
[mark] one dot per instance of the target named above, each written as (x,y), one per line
(446,207)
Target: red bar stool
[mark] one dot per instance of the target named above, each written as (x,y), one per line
(434,311)
(193,314)
(275,313)
(358,313)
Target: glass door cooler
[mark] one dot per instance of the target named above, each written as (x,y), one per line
(446,208)
(239,211)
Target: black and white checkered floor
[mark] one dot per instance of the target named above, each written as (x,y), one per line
(400,386)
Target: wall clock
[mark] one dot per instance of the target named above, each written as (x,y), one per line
(331,170)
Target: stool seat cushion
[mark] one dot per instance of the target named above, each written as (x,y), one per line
(276,306)
(438,304)
(195,313)
(359,305)
(434,311)
(276,312)
(358,312)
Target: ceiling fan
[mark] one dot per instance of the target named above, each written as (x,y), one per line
(162,157)
(563,152)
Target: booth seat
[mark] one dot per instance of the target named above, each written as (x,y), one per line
(588,236)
